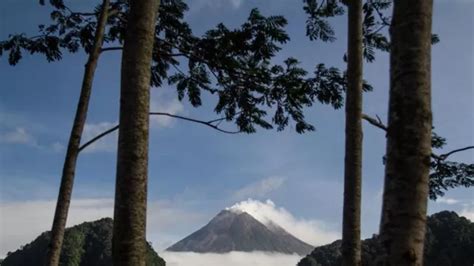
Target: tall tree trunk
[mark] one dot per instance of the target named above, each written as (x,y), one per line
(69,167)
(351,249)
(409,134)
(129,242)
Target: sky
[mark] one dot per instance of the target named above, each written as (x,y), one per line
(195,171)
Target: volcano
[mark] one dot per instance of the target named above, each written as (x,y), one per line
(239,231)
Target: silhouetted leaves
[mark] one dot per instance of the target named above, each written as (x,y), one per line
(235,65)
(447,174)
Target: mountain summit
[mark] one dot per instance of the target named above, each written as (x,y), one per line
(239,231)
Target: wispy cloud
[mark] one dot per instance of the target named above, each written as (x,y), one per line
(18,135)
(23,136)
(165,102)
(19,130)
(260,189)
(448,201)
(313,232)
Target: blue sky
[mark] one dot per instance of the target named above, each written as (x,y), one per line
(195,171)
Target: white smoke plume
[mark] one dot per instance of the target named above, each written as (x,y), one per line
(313,232)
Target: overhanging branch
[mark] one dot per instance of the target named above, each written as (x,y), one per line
(206,123)
(378,123)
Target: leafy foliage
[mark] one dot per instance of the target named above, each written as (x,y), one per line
(235,65)
(447,174)
(376,20)
(88,244)
(317,24)
(449,241)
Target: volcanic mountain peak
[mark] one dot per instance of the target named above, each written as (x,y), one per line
(236,230)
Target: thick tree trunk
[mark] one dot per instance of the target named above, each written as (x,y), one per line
(129,242)
(351,249)
(69,167)
(409,134)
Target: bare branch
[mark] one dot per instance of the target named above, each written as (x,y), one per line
(375,122)
(378,123)
(208,123)
(445,155)
(103,134)
(111,49)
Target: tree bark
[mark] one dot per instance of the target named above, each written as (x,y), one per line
(351,246)
(129,242)
(406,189)
(69,167)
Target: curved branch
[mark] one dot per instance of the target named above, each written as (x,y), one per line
(375,122)
(208,123)
(378,123)
(445,155)
(111,49)
(103,134)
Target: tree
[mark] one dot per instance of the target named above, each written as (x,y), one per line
(361,36)
(129,235)
(67,178)
(408,154)
(351,248)
(252,47)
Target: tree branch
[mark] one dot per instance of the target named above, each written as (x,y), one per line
(375,122)
(206,123)
(111,49)
(445,155)
(103,134)
(378,123)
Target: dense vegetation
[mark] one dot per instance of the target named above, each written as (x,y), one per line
(449,242)
(88,244)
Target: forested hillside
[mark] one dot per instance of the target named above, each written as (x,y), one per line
(88,244)
(449,242)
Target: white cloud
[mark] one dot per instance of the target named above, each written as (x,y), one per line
(22,222)
(313,232)
(260,189)
(448,201)
(18,135)
(468,211)
(229,259)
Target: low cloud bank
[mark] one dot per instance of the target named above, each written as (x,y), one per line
(22,222)
(229,259)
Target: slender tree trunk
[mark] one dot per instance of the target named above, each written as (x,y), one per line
(69,167)
(129,242)
(353,154)
(409,134)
